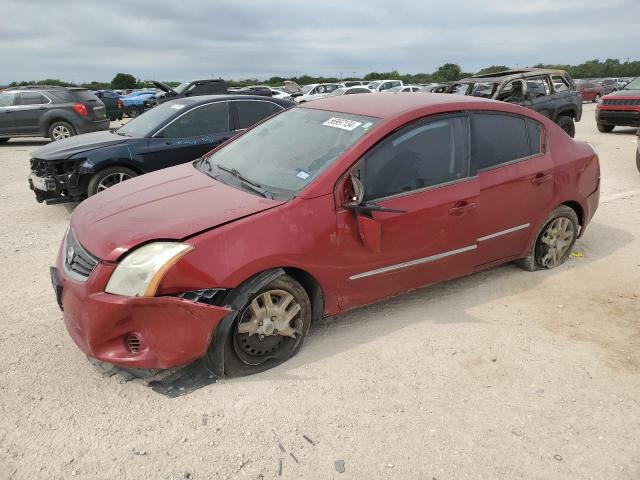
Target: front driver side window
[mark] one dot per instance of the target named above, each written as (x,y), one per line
(205,119)
(425,154)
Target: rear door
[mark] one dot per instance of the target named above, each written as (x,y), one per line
(7,114)
(423,171)
(28,110)
(516,178)
(190,135)
(247,113)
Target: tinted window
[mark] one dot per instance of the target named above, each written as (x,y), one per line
(6,99)
(31,98)
(210,118)
(422,155)
(497,139)
(357,90)
(251,112)
(84,95)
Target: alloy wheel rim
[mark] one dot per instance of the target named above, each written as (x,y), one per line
(270,324)
(111,180)
(556,240)
(60,132)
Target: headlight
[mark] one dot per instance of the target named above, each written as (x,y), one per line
(140,272)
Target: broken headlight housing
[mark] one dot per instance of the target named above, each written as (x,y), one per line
(140,272)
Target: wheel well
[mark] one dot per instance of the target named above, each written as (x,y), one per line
(567,113)
(312,288)
(54,120)
(576,207)
(135,168)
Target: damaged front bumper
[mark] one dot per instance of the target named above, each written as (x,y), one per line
(140,332)
(56,182)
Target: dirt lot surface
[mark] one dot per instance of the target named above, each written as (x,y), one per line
(504,374)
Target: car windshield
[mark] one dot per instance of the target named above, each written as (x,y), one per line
(633,85)
(307,88)
(144,124)
(484,90)
(286,153)
(182,87)
(337,92)
(373,85)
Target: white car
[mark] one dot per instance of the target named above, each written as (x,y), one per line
(349,91)
(316,91)
(279,93)
(381,85)
(404,89)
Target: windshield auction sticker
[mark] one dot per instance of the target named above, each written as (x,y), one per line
(342,123)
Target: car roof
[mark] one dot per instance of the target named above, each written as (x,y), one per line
(201,99)
(388,106)
(511,74)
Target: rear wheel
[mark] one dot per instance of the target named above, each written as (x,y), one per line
(133,112)
(269,328)
(605,128)
(108,178)
(554,241)
(61,130)
(566,124)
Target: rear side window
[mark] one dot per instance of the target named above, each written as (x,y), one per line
(84,95)
(497,139)
(538,87)
(206,119)
(62,96)
(422,155)
(31,98)
(559,83)
(251,112)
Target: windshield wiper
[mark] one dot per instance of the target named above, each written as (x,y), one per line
(247,182)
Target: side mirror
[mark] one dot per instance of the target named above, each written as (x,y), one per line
(358,193)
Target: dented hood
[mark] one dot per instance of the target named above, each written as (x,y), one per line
(170,204)
(63,149)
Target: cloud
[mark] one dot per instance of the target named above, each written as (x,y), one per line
(171,40)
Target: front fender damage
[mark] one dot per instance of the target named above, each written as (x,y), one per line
(178,382)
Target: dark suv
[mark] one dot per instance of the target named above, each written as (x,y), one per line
(549,92)
(52,112)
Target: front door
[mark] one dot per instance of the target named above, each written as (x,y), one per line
(7,114)
(29,108)
(422,171)
(516,182)
(189,136)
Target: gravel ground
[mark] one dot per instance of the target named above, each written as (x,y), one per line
(504,374)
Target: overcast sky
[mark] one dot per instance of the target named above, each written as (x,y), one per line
(179,40)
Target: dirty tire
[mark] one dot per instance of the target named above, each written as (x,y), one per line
(605,128)
(237,360)
(60,130)
(533,260)
(4,140)
(566,124)
(101,180)
(133,112)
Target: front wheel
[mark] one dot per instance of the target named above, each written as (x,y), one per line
(554,241)
(605,128)
(108,178)
(566,124)
(268,330)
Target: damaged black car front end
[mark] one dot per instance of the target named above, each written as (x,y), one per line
(58,181)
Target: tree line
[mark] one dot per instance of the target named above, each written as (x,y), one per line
(611,67)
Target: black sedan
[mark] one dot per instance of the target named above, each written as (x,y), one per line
(175,132)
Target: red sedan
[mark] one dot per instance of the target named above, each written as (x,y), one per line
(329,206)
(590,91)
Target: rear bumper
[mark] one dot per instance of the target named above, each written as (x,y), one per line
(626,118)
(95,126)
(171,331)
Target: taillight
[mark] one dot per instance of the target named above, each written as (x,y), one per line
(81,109)
(119,104)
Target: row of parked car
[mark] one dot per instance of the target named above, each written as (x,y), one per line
(330,205)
